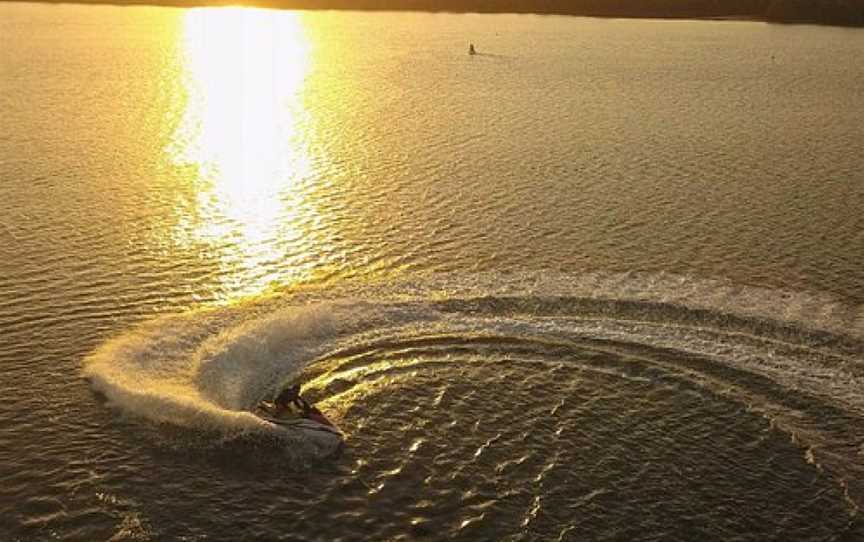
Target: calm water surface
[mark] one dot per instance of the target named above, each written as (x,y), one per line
(601,281)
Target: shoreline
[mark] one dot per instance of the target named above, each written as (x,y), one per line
(851,17)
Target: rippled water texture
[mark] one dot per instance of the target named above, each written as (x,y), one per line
(602,280)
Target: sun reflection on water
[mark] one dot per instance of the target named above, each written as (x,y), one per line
(243,143)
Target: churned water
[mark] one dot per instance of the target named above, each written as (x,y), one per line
(600,281)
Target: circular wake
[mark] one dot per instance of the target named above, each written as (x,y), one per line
(640,363)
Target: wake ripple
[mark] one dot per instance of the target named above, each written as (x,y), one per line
(796,358)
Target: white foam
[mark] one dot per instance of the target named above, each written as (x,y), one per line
(208,368)
(187,370)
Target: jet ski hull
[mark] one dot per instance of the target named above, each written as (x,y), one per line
(325,439)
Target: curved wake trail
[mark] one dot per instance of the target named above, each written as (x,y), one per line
(793,358)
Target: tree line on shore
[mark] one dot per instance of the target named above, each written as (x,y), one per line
(842,12)
(839,12)
(836,12)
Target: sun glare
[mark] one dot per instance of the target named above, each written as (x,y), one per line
(244,135)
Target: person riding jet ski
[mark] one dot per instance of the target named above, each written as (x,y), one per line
(290,404)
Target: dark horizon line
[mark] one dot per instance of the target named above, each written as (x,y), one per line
(824,12)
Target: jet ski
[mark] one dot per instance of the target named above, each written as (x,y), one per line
(310,424)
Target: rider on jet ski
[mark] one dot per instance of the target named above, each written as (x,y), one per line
(290,403)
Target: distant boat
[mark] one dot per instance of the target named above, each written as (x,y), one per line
(471,49)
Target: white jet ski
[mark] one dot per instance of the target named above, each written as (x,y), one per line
(311,425)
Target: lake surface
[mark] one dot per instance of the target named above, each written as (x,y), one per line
(603,280)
